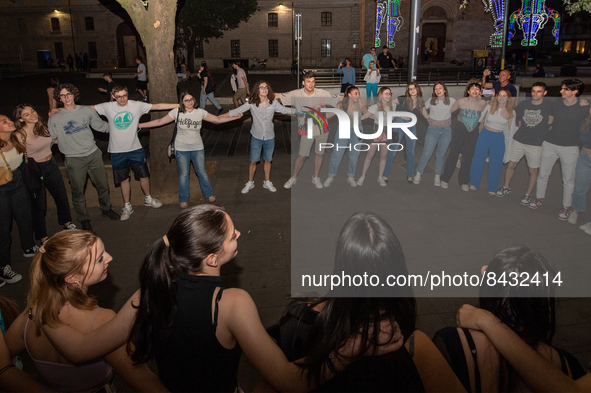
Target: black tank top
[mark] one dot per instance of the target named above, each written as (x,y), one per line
(195,361)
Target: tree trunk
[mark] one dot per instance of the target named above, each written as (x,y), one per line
(156,26)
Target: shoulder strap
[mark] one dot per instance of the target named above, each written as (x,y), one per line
(176,125)
(477,383)
(6,162)
(216,309)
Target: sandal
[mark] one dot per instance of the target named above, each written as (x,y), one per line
(472,188)
(184,205)
(211,199)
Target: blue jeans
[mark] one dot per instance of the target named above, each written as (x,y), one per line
(183,160)
(203,100)
(257,146)
(15,202)
(440,137)
(582,181)
(409,145)
(337,155)
(491,144)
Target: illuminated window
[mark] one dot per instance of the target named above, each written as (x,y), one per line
(55,24)
(326,19)
(273,19)
(567,45)
(580,47)
(325,48)
(235,48)
(273,48)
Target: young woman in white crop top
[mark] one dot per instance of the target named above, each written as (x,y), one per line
(33,130)
(497,118)
(438,133)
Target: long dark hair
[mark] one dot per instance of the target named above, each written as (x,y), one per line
(195,233)
(366,244)
(15,139)
(345,102)
(435,100)
(419,103)
(530,311)
(40,128)
(208,74)
(255,97)
(182,96)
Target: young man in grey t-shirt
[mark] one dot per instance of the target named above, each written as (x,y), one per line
(71,128)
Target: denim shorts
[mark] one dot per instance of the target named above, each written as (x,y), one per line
(256,145)
(135,159)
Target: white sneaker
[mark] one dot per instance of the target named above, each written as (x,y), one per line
(437,181)
(268,185)
(328,182)
(152,202)
(572,219)
(316,181)
(292,180)
(351,181)
(381,181)
(417,178)
(585,227)
(247,187)
(126,212)
(360,181)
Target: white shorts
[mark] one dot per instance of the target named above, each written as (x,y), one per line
(533,154)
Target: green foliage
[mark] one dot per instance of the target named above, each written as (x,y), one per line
(206,19)
(561,58)
(576,6)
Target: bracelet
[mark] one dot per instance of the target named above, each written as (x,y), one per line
(3,370)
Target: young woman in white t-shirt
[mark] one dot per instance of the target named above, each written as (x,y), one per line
(188,144)
(438,133)
(384,104)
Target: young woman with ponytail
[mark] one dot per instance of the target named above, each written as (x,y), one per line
(60,275)
(193,327)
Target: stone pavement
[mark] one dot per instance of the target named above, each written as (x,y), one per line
(473,230)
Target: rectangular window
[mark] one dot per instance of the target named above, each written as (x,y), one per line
(273,48)
(325,48)
(566,46)
(326,19)
(89,23)
(92,53)
(235,48)
(22,26)
(59,50)
(272,19)
(55,24)
(199,49)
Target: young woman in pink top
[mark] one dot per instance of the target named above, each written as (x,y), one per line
(35,136)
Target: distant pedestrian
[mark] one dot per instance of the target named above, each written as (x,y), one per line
(243,91)
(540,73)
(108,77)
(371,56)
(86,63)
(385,61)
(53,84)
(79,62)
(348,72)
(372,78)
(142,78)
(207,88)
(70,61)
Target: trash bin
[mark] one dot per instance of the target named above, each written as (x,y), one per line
(568,70)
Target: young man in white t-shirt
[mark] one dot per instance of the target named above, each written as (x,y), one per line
(124,145)
(142,78)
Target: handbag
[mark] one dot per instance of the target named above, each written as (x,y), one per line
(170,150)
(32,175)
(5,173)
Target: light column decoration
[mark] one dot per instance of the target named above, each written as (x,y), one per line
(531,18)
(497,10)
(388,11)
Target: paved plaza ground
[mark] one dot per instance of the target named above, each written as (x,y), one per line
(433,225)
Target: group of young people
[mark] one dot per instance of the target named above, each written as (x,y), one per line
(196,329)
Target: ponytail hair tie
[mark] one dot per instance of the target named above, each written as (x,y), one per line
(165,238)
(42,250)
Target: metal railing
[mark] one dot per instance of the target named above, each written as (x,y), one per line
(451,76)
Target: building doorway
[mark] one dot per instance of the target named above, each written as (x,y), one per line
(433,42)
(127,46)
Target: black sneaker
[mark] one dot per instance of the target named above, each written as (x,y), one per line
(86,225)
(503,191)
(29,253)
(111,214)
(71,226)
(9,276)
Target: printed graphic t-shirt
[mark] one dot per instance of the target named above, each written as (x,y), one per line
(188,137)
(123,122)
(534,122)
